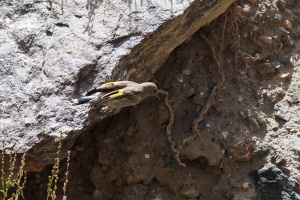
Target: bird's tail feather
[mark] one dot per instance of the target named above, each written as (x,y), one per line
(82,100)
(93,91)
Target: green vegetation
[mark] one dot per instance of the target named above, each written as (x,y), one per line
(13,180)
(53,179)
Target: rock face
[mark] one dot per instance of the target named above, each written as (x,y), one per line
(272,183)
(51,51)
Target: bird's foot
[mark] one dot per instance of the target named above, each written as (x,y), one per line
(106,109)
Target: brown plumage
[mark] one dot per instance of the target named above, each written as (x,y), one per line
(119,94)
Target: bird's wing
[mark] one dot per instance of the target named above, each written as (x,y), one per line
(110,87)
(118,94)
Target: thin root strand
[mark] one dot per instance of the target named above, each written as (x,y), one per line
(169,128)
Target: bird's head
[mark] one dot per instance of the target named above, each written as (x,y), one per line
(150,89)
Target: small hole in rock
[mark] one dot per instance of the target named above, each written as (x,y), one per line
(190,97)
(49,33)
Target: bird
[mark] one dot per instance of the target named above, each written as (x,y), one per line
(118,94)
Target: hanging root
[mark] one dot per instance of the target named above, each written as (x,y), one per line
(217,57)
(169,128)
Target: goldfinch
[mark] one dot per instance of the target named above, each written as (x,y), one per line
(118,94)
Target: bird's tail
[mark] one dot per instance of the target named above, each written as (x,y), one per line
(82,100)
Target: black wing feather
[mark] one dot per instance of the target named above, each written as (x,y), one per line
(107,87)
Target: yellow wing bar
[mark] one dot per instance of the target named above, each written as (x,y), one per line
(119,94)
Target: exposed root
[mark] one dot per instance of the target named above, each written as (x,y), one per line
(129,74)
(246,58)
(169,128)
(218,58)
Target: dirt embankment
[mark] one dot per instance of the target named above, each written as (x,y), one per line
(249,143)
